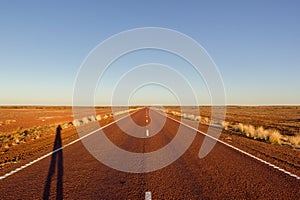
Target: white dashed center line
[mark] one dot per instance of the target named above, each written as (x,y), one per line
(148,196)
(147,133)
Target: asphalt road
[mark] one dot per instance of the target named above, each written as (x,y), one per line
(73,173)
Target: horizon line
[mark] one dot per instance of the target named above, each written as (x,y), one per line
(156,105)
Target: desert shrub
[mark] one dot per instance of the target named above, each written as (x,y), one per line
(275,137)
(266,135)
(178,114)
(249,131)
(225,125)
(77,122)
(236,128)
(245,130)
(25,133)
(260,132)
(241,127)
(184,115)
(17,140)
(206,120)
(98,117)
(105,116)
(190,117)
(85,120)
(65,125)
(92,118)
(198,118)
(5,139)
(294,140)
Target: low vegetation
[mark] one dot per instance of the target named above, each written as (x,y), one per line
(271,136)
(24,135)
(86,120)
(21,135)
(295,140)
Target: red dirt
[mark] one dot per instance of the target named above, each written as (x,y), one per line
(17,154)
(284,118)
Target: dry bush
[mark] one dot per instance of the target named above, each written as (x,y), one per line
(17,141)
(92,118)
(190,117)
(198,118)
(275,137)
(249,130)
(178,114)
(260,132)
(206,120)
(266,135)
(225,125)
(187,116)
(66,125)
(294,140)
(105,116)
(85,120)
(245,132)
(77,122)
(240,127)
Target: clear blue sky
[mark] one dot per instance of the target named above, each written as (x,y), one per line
(255,44)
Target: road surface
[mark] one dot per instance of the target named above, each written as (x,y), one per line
(73,173)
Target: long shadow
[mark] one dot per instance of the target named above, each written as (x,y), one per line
(56,160)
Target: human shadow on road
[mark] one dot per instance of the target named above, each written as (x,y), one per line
(56,161)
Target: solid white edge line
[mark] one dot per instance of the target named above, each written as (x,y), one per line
(148,195)
(235,148)
(59,149)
